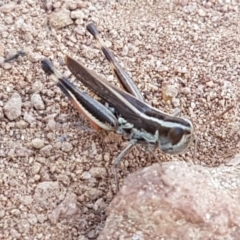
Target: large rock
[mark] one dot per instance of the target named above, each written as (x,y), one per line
(176,201)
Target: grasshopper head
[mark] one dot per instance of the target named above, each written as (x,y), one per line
(178,137)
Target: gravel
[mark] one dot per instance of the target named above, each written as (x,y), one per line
(193,45)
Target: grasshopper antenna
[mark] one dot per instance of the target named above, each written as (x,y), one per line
(15,56)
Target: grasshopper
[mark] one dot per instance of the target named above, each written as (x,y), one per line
(125,112)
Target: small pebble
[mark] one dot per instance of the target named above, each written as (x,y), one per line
(21,124)
(37,143)
(37,102)
(37,87)
(77,14)
(7,8)
(60,19)
(66,147)
(13,108)
(201,12)
(34,57)
(28,118)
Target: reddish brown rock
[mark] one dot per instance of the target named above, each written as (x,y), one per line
(176,201)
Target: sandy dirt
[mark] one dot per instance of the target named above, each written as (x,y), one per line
(56,174)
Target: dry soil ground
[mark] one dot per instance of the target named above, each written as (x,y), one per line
(56,177)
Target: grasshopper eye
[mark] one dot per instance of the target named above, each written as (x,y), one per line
(175,134)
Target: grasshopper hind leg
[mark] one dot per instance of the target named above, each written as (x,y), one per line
(122,76)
